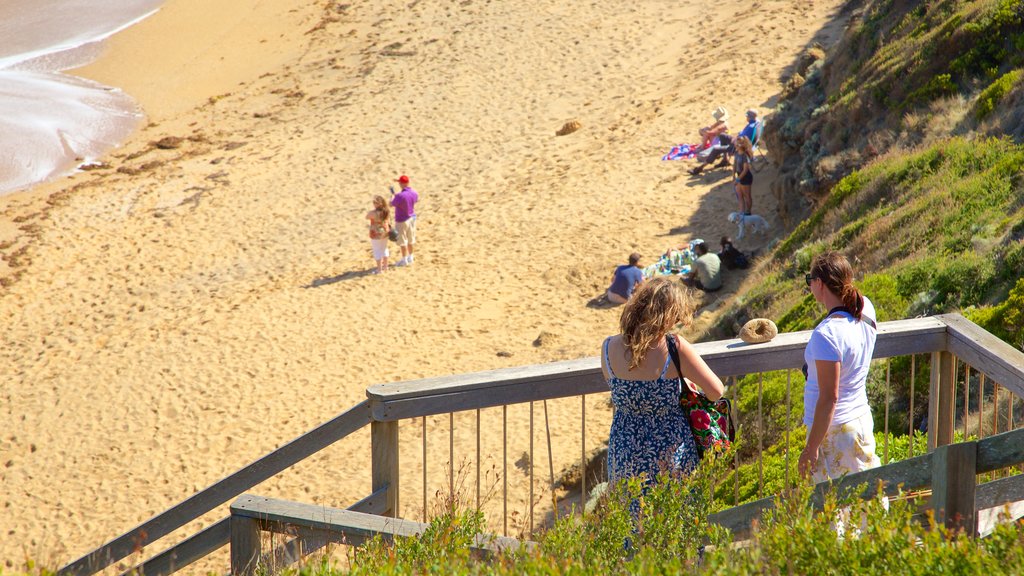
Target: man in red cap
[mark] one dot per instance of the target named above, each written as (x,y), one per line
(405,219)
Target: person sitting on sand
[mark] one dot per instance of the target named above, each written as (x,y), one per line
(625,279)
(709,133)
(706,273)
(730,256)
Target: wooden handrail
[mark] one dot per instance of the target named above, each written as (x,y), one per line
(186,552)
(993,453)
(251,514)
(388,403)
(977,347)
(220,492)
(446,394)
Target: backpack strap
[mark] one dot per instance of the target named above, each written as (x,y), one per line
(843,309)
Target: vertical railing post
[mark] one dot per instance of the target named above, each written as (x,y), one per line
(954,471)
(384,462)
(941,401)
(245,545)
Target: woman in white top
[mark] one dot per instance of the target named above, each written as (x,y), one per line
(840,435)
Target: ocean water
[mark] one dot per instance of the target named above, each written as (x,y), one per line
(51,122)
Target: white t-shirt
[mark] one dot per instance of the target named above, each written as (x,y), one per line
(841,338)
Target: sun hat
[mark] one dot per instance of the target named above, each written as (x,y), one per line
(403,179)
(720,114)
(752,112)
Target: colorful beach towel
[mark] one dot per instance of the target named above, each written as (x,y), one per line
(682,151)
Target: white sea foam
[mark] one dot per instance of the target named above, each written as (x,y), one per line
(51,122)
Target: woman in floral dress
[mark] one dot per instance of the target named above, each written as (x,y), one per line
(649,431)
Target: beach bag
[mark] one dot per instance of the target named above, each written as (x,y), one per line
(710,421)
(392,234)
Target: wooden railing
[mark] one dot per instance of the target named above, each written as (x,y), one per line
(950,472)
(946,338)
(316,526)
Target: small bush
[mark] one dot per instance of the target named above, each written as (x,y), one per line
(991,96)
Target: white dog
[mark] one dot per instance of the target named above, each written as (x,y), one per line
(756,223)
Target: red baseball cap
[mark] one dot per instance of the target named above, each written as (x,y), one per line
(403,179)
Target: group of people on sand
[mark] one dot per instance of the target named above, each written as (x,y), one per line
(705,273)
(717,143)
(404,203)
(650,432)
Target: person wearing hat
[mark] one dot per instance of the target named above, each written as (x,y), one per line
(709,133)
(405,219)
(750,129)
(724,149)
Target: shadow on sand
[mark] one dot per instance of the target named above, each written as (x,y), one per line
(327,280)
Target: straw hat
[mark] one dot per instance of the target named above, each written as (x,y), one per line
(758,330)
(720,114)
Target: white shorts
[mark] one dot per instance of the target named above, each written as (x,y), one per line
(380,248)
(847,448)
(406,232)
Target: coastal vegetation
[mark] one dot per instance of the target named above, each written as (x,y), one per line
(663,531)
(902,149)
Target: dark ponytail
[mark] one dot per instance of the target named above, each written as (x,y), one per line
(835,272)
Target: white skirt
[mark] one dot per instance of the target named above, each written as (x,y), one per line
(380,248)
(847,448)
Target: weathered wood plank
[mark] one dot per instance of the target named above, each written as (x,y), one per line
(220,492)
(274,514)
(1000,451)
(1000,492)
(953,486)
(384,463)
(185,552)
(910,474)
(575,377)
(376,503)
(318,523)
(941,401)
(740,519)
(245,545)
(1000,361)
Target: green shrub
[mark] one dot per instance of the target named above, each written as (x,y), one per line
(964,280)
(1005,320)
(938,85)
(663,529)
(884,292)
(991,96)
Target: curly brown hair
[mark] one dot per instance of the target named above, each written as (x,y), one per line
(381,206)
(654,308)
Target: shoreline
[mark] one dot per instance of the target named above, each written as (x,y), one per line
(186,309)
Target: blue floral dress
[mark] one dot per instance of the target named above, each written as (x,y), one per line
(649,431)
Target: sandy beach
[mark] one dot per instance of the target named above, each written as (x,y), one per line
(205,295)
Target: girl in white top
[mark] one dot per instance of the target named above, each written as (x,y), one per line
(840,435)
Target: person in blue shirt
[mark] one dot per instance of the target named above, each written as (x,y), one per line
(751,128)
(625,279)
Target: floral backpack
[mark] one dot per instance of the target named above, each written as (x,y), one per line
(710,421)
